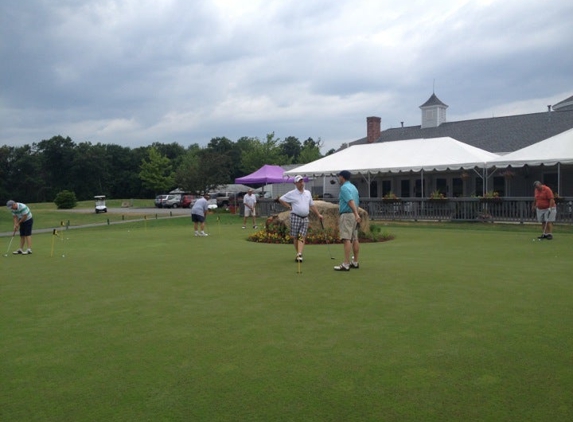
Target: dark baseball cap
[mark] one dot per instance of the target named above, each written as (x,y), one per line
(345,174)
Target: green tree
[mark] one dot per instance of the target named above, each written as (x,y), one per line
(291,147)
(26,176)
(203,170)
(224,146)
(310,151)
(123,174)
(90,171)
(173,151)
(6,154)
(57,154)
(220,145)
(156,172)
(187,175)
(261,153)
(214,170)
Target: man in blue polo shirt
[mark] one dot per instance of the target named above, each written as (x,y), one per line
(22,220)
(348,202)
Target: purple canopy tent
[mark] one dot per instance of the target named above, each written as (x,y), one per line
(266,175)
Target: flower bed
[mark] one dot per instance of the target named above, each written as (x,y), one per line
(278,234)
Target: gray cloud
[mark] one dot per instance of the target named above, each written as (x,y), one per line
(134,72)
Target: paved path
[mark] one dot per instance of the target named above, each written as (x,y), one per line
(159,212)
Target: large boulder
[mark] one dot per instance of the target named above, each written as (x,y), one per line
(330,215)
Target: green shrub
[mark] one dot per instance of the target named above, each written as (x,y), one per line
(376,234)
(66,200)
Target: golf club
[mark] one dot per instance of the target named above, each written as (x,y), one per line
(10,244)
(326,240)
(545,218)
(545,227)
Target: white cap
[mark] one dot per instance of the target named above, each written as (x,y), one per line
(298,178)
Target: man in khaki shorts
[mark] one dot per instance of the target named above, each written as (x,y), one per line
(348,202)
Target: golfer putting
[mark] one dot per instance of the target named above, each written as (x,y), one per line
(23,221)
(199,215)
(545,208)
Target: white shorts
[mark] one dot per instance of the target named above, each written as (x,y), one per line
(249,212)
(547,215)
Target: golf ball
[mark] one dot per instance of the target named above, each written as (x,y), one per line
(63,256)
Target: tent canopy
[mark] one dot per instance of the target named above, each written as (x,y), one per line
(266,175)
(557,149)
(400,156)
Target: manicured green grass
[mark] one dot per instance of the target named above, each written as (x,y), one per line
(144,322)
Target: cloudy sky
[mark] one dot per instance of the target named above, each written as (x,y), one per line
(133,72)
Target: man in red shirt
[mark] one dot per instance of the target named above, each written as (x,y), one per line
(544,203)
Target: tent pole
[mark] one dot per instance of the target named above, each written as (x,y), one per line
(559,179)
(484,185)
(422,183)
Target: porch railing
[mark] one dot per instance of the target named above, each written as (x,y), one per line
(514,209)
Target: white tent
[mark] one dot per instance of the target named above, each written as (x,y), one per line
(416,155)
(555,150)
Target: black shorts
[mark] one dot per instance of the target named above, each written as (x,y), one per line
(196,218)
(26,227)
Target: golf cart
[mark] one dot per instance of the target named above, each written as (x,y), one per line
(100,204)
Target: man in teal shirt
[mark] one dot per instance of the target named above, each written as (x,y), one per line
(22,220)
(348,202)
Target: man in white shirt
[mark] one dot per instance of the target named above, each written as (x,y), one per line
(300,202)
(250,202)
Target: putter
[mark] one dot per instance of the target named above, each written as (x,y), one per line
(326,240)
(544,226)
(10,244)
(545,223)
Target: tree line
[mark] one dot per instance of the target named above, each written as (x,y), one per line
(38,172)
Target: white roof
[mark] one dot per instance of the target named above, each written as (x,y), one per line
(557,149)
(399,156)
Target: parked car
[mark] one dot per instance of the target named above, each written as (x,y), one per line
(159,200)
(211,202)
(221,199)
(235,198)
(172,201)
(187,201)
